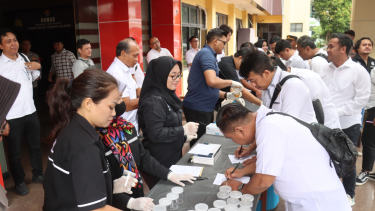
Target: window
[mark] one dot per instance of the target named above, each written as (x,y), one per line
(296,27)
(221,19)
(193,24)
(268,30)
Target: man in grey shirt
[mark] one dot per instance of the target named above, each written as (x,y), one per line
(83,62)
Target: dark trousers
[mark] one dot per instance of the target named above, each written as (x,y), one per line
(349,181)
(198,117)
(27,127)
(368,142)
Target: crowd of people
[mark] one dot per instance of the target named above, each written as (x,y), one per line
(99,117)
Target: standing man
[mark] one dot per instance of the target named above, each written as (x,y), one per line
(156,51)
(33,57)
(293,41)
(62,62)
(22,118)
(228,33)
(349,85)
(273,42)
(351,34)
(363,48)
(127,52)
(308,50)
(190,54)
(291,57)
(204,84)
(83,62)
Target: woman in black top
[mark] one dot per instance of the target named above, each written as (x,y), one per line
(160,114)
(77,175)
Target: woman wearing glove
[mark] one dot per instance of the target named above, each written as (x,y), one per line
(127,157)
(160,114)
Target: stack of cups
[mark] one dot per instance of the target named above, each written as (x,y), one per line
(244,209)
(230,207)
(220,204)
(214,209)
(159,208)
(180,192)
(201,207)
(233,201)
(247,201)
(174,198)
(166,202)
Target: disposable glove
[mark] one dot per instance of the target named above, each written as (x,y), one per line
(124,184)
(237,85)
(190,128)
(234,95)
(142,203)
(177,178)
(190,137)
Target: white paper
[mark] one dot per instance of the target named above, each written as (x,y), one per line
(202,149)
(233,158)
(220,178)
(193,170)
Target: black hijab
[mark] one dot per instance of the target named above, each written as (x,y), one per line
(155,82)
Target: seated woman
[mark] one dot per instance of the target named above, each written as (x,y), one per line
(160,115)
(125,153)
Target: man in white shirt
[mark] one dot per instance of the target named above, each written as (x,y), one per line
(156,51)
(127,52)
(190,54)
(83,62)
(288,157)
(228,31)
(349,85)
(22,118)
(291,57)
(308,50)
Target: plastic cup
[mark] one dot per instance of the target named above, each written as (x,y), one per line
(225,188)
(180,192)
(230,207)
(220,204)
(201,207)
(222,195)
(166,202)
(233,201)
(244,209)
(159,208)
(235,194)
(174,198)
(247,197)
(214,209)
(248,204)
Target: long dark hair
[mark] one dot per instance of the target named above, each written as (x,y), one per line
(66,96)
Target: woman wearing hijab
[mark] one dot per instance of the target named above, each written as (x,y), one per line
(262,43)
(160,114)
(125,154)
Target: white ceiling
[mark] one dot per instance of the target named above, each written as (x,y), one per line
(245,5)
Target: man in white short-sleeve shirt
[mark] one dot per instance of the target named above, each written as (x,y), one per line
(308,50)
(190,54)
(127,57)
(291,57)
(288,157)
(156,51)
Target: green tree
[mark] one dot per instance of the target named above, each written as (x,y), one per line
(333,15)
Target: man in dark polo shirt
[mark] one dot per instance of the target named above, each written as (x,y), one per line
(363,48)
(204,84)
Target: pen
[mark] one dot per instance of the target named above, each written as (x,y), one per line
(370,122)
(201,178)
(240,150)
(202,123)
(234,169)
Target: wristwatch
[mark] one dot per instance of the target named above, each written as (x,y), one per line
(240,188)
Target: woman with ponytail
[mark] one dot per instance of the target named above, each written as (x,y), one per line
(77,175)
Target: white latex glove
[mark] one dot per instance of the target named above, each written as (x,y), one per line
(190,137)
(177,178)
(142,203)
(234,95)
(121,186)
(242,101)
(190,128)
(226,101)
(237,85)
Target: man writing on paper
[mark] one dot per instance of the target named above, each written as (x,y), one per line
(289,158)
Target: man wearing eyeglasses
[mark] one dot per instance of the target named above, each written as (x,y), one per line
(156,51)
(22,119)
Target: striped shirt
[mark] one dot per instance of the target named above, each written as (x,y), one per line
(62,64)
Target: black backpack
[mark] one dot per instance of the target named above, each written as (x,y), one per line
(340,148)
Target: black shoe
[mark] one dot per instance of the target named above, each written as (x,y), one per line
(38,178)
(371,176)
(21,189)
(362,178)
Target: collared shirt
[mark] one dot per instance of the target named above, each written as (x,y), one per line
(219,56)
(154,54)
(294,97)
(371,101)
(62,64)
(370,62)
(349,86)
(33,57)
(16,71)
(317,62)
(200,96)
(189,56)
(123,74)
(296,61)
(138,74)
(303,187)
(80,65)
(319,90)
(77,176)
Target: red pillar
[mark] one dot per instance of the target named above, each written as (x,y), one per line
(166,26)
(118,19)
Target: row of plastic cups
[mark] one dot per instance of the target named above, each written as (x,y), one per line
(231,207)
